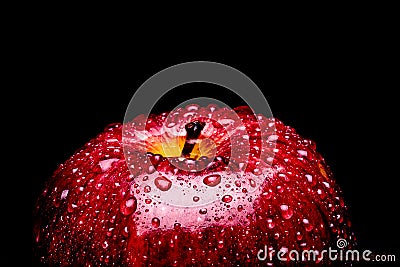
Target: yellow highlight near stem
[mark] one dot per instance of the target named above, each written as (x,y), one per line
(322,170)
(166,147)
(173,147)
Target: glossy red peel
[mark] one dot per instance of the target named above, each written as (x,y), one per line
(94,211)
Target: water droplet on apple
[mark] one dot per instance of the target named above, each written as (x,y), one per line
(302,153)
(129,178)
(286,211)
(106,164)
(257,171)
(299,236)
(125,232)
(110,232)
(309,178)
(267,194)
(71,207)
(203,211)
(270,223)
(284,177)
(129,206)
(252,183)
(151,169)
(240,208)
(163,183)
(227,198)
(147,189)
(212,180)
(279,189)
(238,183)
(307,225)
(155,222)
(196,198)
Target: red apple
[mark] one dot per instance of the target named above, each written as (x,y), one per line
(187,198)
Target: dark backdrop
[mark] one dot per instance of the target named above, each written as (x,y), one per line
(338,96)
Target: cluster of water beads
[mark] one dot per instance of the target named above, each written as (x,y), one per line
(83,198)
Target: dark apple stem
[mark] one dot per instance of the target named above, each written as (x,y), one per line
(193,130)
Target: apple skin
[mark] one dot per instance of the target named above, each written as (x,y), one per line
(94,211)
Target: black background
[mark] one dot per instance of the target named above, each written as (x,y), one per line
(337,93)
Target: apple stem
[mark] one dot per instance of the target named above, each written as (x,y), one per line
(193,130)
